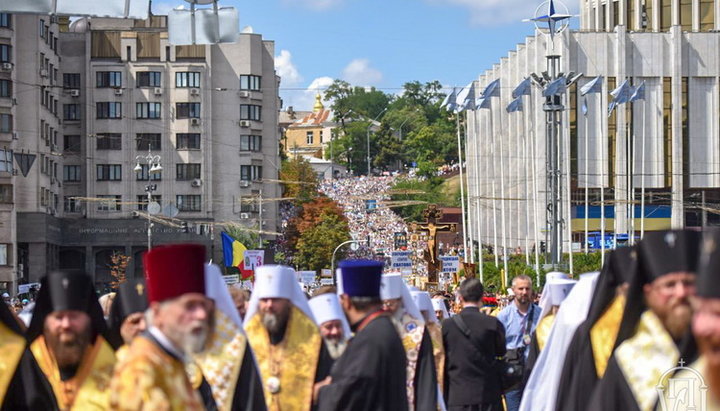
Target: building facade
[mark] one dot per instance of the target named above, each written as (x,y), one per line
(310,135)
(105,93)
(647,165)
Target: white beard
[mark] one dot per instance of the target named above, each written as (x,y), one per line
(335,348)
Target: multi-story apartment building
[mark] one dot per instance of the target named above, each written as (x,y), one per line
(668,143)
(102,94)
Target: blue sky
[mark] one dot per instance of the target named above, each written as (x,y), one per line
(381,43)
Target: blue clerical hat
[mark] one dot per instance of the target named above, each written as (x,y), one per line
(360,278)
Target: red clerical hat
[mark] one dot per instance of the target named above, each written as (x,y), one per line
(174,270)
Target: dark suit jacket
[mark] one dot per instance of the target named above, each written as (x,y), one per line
(469,377)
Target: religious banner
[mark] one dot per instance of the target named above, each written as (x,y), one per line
(450,263)
(400,259)
(252,259)
(307,277)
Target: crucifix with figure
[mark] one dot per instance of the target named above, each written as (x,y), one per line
(433,215)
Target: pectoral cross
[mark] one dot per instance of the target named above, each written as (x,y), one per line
(140,289)
(433,215)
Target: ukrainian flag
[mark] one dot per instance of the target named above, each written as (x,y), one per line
(233,251)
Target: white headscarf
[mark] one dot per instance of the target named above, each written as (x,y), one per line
(439,305)
(423,302)
(326,307)
(277,281)
(541,390)
(554,293)
(392,287)
(216,289)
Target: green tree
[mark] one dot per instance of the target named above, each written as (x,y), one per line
(316,245)
(249,237)
(299,179)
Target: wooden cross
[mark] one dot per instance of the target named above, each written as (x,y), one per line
(432,216)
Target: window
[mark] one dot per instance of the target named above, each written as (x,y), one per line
(148,141)
(71,205)
(250,173)
(5,53)
(108,110)
(144,175)
(148,110)
(112,203)
(188,202)
(6,160)
(71,173)
(149,79)
(4,254)
(109,172)
(187,110)
(187,141)
(250,143)
(109,141)
(707,15)
(5,20)
(71,144)
(187,172)
(71,111)
(6,193)
(143,201)
(250,112)
(106,79)
(5,88)
(6,123)
(250,82)
(309,137)
(71,80)
(185,79)
(43,29)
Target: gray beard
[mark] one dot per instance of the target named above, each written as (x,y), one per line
(335,348)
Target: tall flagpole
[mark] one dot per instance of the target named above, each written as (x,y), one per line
(525,155)
(587,183)
(462,189)
(602,180)
(533,142)
(642,177)
(469,193)
(502,206)
(566,144)
(631,182)
(478,220)
(494,198)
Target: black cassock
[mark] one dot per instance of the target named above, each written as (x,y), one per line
(613,392)
(579,375)
(370,375)
(28,389)
(426,388)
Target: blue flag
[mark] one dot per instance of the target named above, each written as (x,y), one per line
(515,105)
(622,93)
(523,89)
(592,86)
(584,106)
(482,102)
(492,89)
(555,87)
(449,101)
(465,98)
(638,93)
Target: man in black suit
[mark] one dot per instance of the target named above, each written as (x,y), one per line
(472,341)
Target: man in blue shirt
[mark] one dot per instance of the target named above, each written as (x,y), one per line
(519,318)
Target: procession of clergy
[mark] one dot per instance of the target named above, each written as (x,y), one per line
(642,334)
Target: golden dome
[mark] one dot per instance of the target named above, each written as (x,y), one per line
(318,103)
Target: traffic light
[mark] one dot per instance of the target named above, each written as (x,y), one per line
(543,249)
(184,227)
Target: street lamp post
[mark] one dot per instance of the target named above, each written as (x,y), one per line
(153,165)
(332,259)
(368,138)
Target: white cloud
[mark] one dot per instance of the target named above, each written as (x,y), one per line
(315,4)
(303,100)
(359,73)
(496,12)
(286,69)
(162,8)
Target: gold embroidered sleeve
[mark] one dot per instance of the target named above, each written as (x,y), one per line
(136,386)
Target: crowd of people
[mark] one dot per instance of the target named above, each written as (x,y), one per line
(625,338)
(361,199)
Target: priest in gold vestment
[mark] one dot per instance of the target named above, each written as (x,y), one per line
(288,347)
(152,376)
(67,339)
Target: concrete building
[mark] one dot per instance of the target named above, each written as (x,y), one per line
(666,146)
(102,94)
